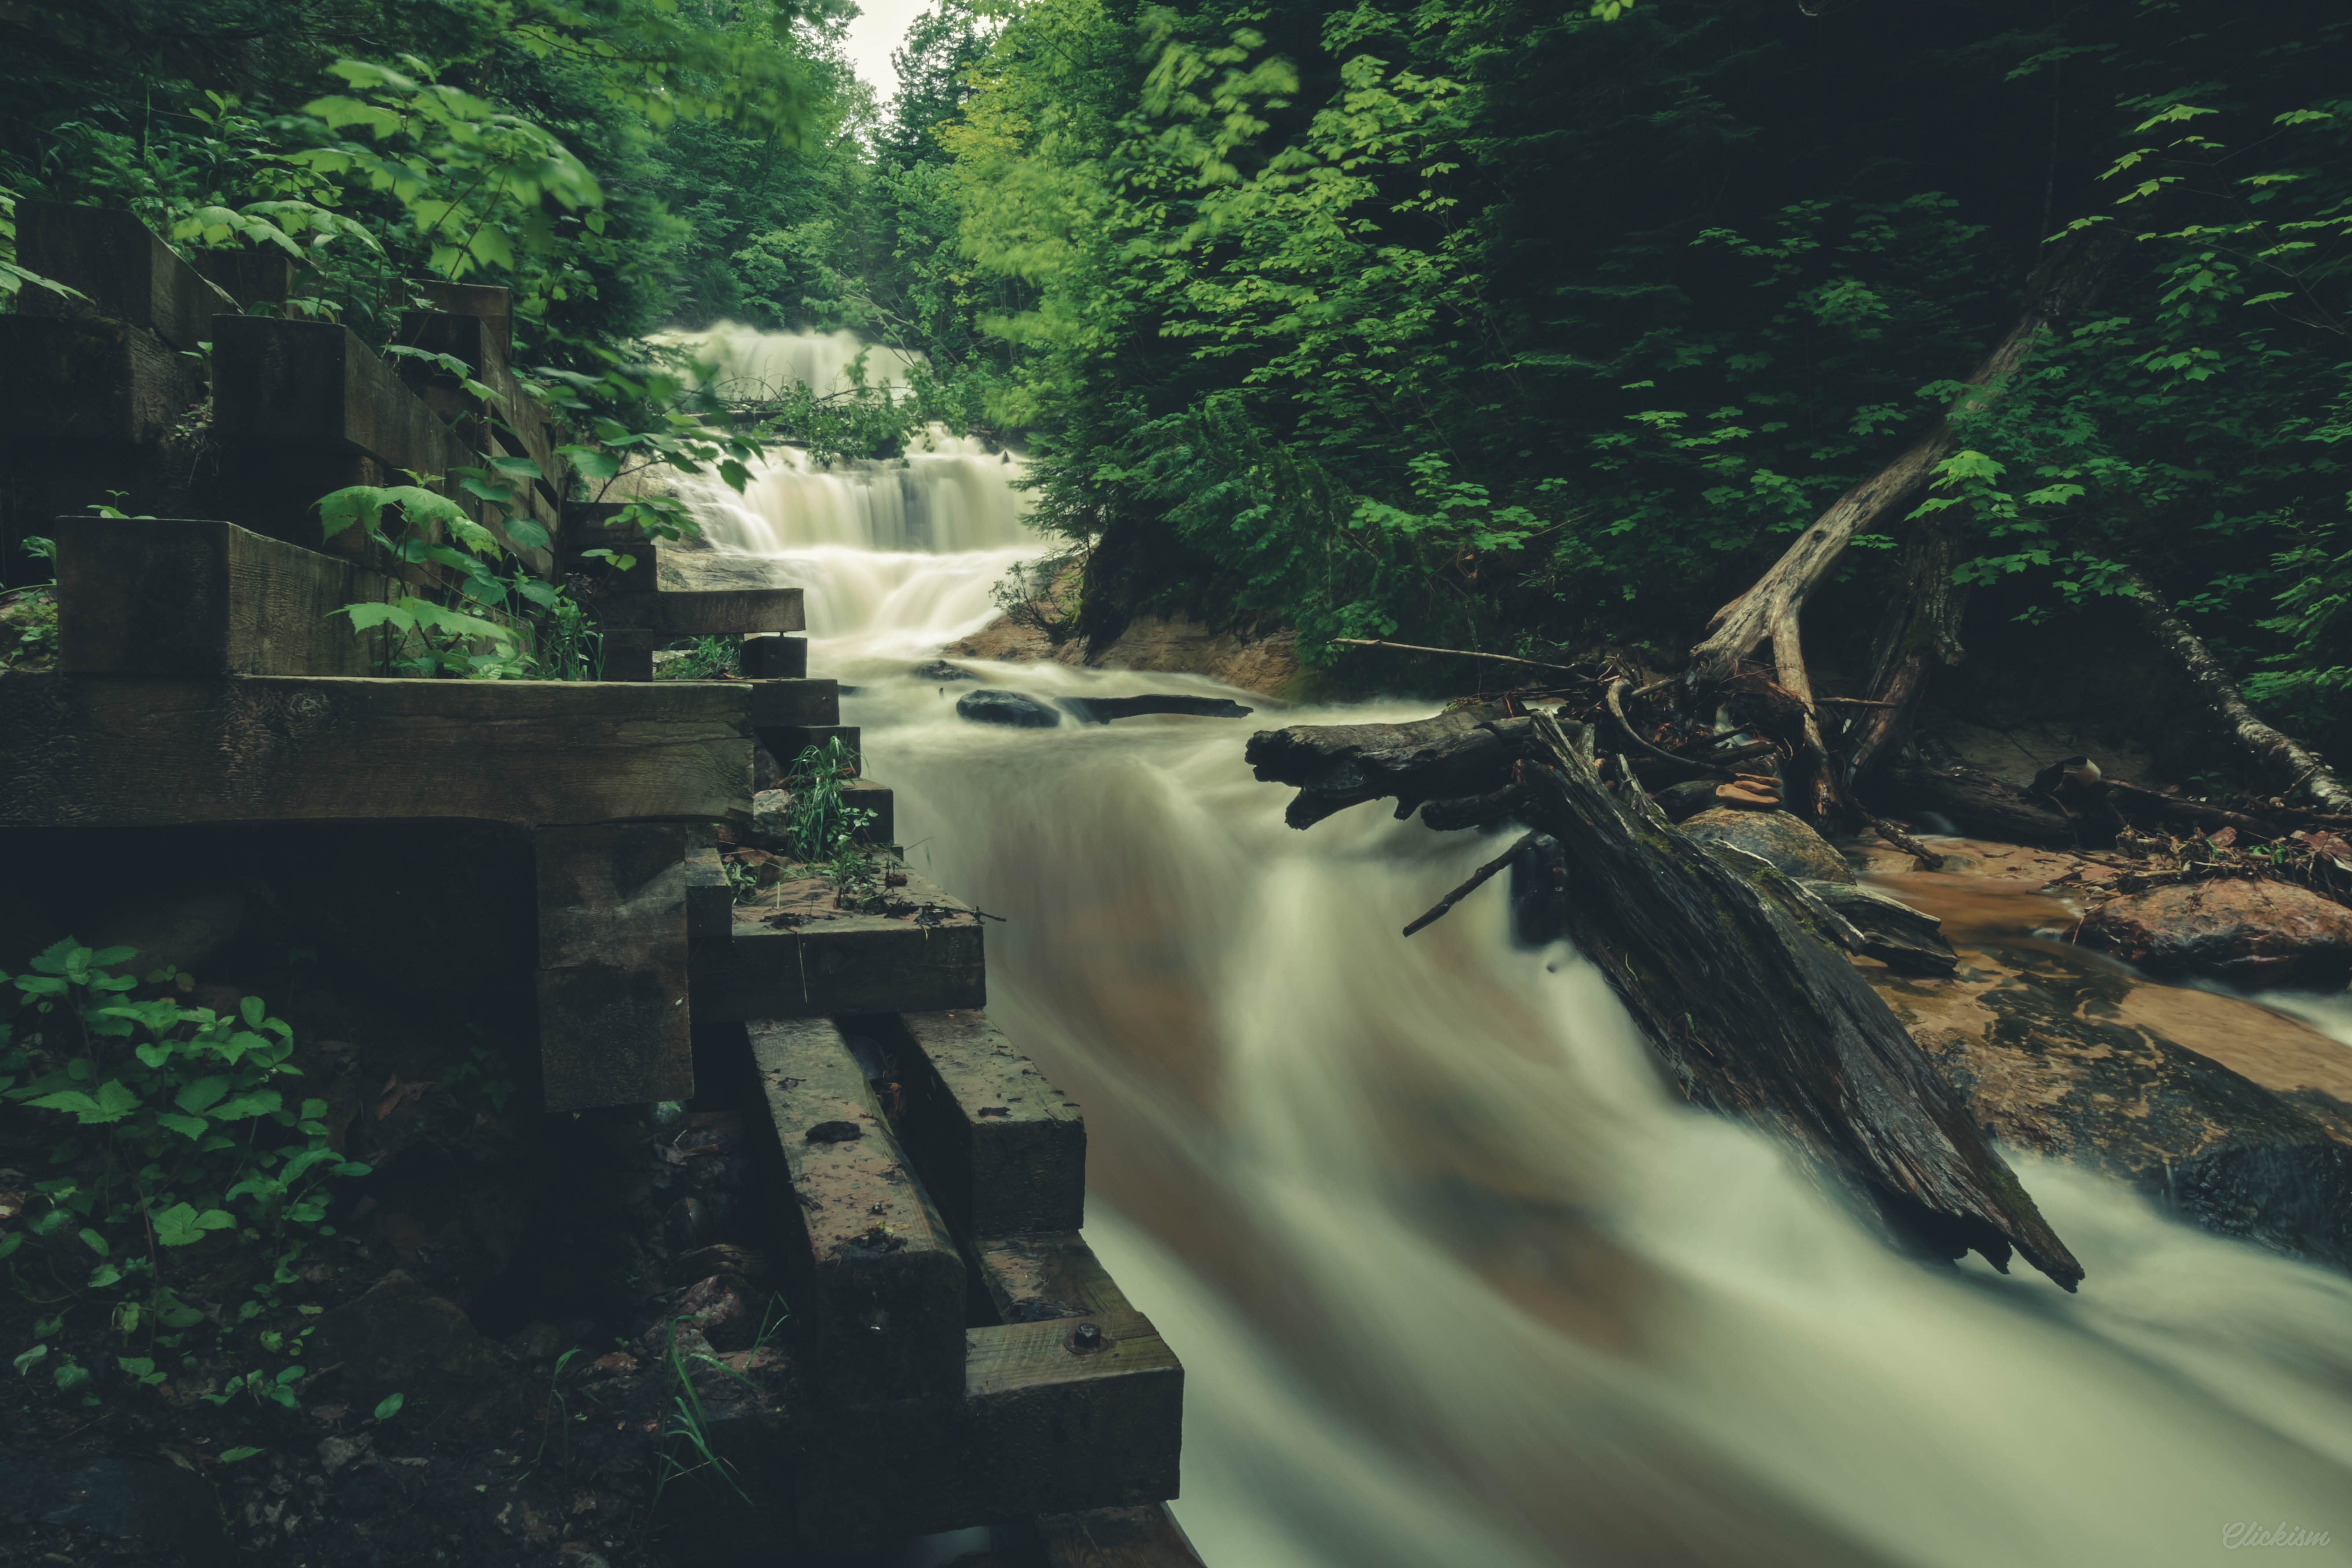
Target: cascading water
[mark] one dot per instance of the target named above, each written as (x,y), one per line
(898,557)
(1455,1281)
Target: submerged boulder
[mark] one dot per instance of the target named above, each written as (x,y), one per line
(1775,835)
(2248,933)
(995,705)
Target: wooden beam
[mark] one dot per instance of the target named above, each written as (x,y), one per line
(314,386)
(709,898)
(492,303)
(823,962)
(865,794)
(712,613)
(94,380)
(870,1270)
(127,272)
(1004,1150)
(1143,1537)
(136,751)
(1033,1279)
(475,340)
(794,703)
(202,597)
(255,276)
(613,1022)
(769,656)
(1055,1419)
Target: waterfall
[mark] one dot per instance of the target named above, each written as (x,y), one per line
(1457,1280)
(896,556)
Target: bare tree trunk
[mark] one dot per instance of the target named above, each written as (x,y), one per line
(1924,625)
(1769,610)
(2286,764)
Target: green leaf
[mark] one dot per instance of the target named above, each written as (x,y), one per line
(183,1226)
(69,1378)
(236,1455)
(191,1128)
(24,1361)
(201,1094)
(590,463)
(388,1406)
(94,1241)
(521,467)
(527,534)
(104,1275)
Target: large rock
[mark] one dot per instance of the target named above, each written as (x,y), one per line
(1774,835)
(995,705)
(2063,1053)
(167,1510)
(2248,933)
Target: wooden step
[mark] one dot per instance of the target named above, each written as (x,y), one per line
(196,598)
(1038,1278)
(767,656)
(139,751)
(873,1279)
(126,271)
(100,381)
(1058,1416)
(794,954)
(1143,1537)
(613,1019)
(1005,1152)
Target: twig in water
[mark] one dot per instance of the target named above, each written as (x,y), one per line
(1477,879)
(1455,652)
(1925,858)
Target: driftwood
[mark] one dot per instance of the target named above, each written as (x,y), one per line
(1922,628)
(1453,653)
(1749,1012)
(2285,763)
(1979,803)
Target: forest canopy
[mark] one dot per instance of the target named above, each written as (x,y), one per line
(1494,325)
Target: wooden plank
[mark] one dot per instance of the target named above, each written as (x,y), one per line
(132,750)
(1061,1427)
(93,380)
(1143,1537)
(710,899)
(613,1019)
(769,656)
(120,263)
(777,704)
(257,277)
(1036,1278)
(492,303)
(1050,1423)
(711,612)
(872,1273)
(315,386)
(1004,1151)
(203,598)
(826,962)
(474,340)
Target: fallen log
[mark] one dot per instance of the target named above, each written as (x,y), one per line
(2288,766)
(1751,1013)
(1979,803)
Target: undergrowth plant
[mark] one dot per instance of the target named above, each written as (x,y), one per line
(507,625)
(821,826)
(173,1126)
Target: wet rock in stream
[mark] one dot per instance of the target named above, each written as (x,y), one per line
(2069,1056)
(1013,708)
(2249,933)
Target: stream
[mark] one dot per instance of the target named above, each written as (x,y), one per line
(1454,1279)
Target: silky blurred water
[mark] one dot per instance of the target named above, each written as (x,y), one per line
(1454,1279)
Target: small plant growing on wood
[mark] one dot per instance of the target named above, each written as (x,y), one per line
(703,658)
(821,825)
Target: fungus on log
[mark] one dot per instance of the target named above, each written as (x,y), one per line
(1750,1012)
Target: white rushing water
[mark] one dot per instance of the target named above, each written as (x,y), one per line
(1454,1279)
